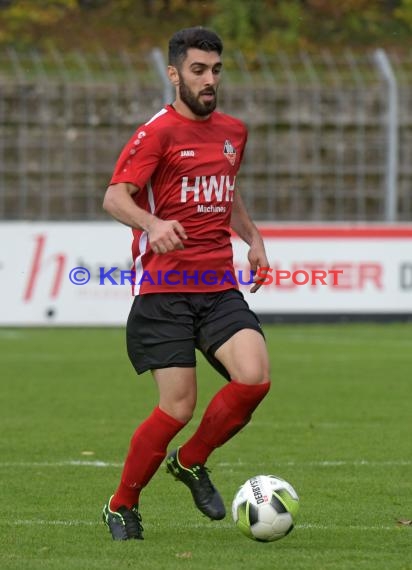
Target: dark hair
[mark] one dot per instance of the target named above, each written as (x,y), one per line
(197,37)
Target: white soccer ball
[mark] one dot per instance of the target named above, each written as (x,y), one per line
(265,508)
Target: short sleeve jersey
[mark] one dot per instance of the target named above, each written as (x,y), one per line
(185,170)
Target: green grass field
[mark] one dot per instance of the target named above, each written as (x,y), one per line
(337,424)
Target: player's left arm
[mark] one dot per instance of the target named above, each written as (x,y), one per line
(243,225)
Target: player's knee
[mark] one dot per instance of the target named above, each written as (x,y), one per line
(185,416)
(253,375)
(181,411)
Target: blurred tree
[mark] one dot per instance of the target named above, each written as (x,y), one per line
(352,22)
(250,24)
(19,21)
(234,20)
(92,3)
(391,5)
(264,24)
(404,13)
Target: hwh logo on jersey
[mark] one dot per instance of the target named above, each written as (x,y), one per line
(219,188)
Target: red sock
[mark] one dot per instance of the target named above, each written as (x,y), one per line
(147,450)
(227,413)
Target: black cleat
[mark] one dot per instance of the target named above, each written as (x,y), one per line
(124,524)
(205,495)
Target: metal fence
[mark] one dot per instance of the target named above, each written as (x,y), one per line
(330,137)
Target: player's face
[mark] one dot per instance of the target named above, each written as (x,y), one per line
(199,77)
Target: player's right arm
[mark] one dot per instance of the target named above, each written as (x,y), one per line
(164,235)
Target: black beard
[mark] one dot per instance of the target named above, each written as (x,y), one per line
(197,107)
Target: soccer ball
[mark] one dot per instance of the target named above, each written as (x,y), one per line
(265,508)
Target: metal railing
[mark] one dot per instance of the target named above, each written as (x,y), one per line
(330,137)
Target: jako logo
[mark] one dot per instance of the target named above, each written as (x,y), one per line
(187,153)
(213,188)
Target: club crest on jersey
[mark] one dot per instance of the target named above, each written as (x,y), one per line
(230,152)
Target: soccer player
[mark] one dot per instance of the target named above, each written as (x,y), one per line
(175,185)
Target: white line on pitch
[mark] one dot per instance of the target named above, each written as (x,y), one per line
(332,463)
(70,463)
(315,526)
(31,522)
(11,335)
(326,463)
(304,526)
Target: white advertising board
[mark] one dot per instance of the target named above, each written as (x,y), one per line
(322,270)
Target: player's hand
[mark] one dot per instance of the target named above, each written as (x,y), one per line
(166,235)
(259,265)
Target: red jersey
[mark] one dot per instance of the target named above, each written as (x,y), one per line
(186,171)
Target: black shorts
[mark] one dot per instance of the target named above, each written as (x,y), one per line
(164,329)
